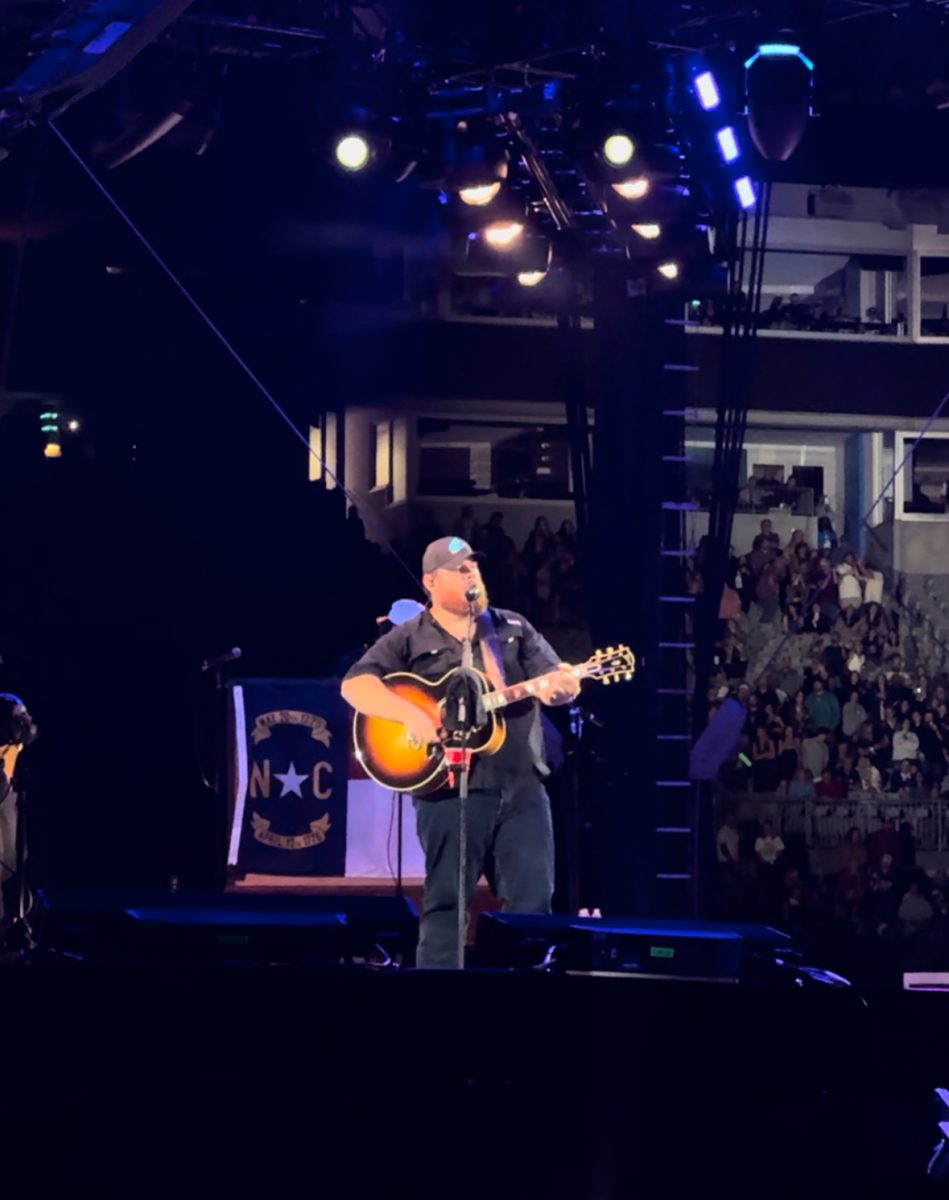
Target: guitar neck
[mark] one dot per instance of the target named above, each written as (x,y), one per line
(536,687)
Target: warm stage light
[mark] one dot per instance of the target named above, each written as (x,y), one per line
(53,450)
(352,152)
(531,278)
(618,149)
(479,196)
(632,189)
(669,270)
(649,231)
(503,234)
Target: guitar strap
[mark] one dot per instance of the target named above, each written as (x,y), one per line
(491,650)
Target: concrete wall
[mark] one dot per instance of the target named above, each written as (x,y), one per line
(921,547)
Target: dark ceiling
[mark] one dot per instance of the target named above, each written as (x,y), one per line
(239,198)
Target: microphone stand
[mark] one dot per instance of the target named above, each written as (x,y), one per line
(462,715)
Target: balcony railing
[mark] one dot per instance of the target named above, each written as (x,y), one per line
(823,823)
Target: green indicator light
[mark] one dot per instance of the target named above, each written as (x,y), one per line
(661,952)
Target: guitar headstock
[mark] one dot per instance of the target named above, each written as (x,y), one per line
(611,665)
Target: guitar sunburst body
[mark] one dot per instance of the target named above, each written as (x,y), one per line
(390,757)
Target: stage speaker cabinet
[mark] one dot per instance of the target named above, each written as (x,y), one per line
(630,946)
(154,926)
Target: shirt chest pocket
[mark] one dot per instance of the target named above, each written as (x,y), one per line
(509,643)
(432,664)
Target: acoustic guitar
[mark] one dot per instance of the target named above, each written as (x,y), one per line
(394,760)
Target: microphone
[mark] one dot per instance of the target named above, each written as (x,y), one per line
(472,594)
(218,660)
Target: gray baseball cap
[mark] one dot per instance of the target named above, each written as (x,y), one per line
(445,554)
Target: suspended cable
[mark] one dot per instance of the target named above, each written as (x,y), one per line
(367,513)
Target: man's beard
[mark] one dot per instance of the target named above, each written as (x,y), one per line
(478,606)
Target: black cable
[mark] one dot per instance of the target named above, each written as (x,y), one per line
(748,250)
(367,513)
(392,807)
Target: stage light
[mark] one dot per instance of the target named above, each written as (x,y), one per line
(707,90)
(668,270)
(728,144)
(480,195)
(779,50)
(507,249)
(503,234)
(52,450)
(745,191)
(473,161)
(618,149)
(73,426)
(352,152)
(531,278)
(648,231)
(778,85)
(632,189)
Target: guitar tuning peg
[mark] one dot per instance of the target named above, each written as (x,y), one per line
(629,674)
(609,650)
(606,680)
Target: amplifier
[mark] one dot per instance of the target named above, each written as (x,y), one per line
(633,946)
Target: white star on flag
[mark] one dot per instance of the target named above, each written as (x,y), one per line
(290,782)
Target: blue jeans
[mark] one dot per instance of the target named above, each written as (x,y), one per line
(509,826)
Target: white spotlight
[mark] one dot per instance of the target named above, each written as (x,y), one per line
(649,231)
(728,144)
(707,90)
(73,426)
(618,149)
(352,152)
(503,234)
(632,189)
(479,196)
(745,191)
(531,278)
(669,270)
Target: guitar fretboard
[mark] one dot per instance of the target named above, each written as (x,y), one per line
(521,691)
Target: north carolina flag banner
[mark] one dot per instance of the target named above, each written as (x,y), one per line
(290,763)
(302,805)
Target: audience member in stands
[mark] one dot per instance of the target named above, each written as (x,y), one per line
(905,742)
(769,846)
(823,707)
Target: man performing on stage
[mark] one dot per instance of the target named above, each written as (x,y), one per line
(508,809)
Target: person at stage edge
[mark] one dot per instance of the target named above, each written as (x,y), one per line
(508,809)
